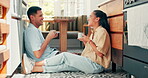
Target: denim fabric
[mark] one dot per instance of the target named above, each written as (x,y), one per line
(71,62)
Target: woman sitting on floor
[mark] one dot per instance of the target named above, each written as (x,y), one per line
(95,57)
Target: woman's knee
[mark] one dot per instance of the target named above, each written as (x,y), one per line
(62,54)
(65,54)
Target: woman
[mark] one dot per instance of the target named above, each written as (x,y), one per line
(95,57)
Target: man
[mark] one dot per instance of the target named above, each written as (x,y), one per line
(36,47)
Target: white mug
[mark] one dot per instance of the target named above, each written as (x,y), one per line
(80,35)
(54,31)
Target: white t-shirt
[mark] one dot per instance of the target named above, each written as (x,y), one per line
(33,39)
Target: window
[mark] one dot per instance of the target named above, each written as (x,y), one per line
(59,7)
(71,7)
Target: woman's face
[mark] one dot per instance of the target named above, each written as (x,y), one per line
(92,20)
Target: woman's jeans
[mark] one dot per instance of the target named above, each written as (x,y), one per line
(71,62)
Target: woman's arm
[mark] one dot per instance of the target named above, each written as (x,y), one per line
(86,39)
(94,47)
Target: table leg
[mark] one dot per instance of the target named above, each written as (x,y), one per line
(63,36)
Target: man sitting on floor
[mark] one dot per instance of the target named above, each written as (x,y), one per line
(36,47)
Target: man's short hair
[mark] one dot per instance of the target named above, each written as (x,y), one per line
(33,10)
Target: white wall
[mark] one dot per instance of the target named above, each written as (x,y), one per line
(57,6)
(13,40)
(90,5)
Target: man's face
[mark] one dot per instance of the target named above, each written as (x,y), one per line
(37,18)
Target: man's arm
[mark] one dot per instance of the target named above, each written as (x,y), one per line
(51,35)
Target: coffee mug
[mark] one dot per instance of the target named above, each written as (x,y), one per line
(80,35)
(54,31)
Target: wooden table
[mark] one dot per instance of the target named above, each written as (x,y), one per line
(63,32)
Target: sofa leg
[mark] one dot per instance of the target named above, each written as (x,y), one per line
(81,44)
(113,67)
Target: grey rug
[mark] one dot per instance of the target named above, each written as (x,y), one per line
(105,74)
